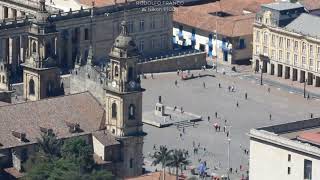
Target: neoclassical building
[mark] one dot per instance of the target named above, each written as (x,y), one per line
(286,43)
(76,22)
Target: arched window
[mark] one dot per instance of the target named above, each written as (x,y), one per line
(132,110)
(31,87)
(114,110)
(116,71)
(130,73)
(34,47)
(3,79)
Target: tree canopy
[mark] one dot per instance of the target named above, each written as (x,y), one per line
(70,160)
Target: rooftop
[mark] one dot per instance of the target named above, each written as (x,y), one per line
(296,134)
(280,6)
(304,24)
(235,24)
(311,4)
(52,113)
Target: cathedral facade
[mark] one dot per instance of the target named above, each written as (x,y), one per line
(110,120)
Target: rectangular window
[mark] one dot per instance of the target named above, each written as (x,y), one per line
(163,43)
(153,22)
(273,54)
(295,62)
(289,157)
(258,36)
(141,45)
(273,40)
(311,50)
(130,27)
(265,50)
(153,43)
(257,49)
(304,48)
(242,44)
(307,170)
(141,26)
(303,60)
(280,42)
(288,57)
(311,62)
(288,44)
(265,38)
(86,34)
(280,55)
(289,170)
(296,45)
(131,163)
(164,20)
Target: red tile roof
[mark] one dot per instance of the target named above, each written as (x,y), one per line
(52,113)
(312,137)
(238,24)
(311,4)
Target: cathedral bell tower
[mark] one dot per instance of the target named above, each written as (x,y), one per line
(40,73)
(124,102)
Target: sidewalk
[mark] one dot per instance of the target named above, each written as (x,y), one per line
(291,86)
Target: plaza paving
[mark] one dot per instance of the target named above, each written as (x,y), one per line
(251,113)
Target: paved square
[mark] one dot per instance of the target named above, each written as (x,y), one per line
(251,113)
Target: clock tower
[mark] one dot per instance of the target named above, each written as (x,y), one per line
(124,102)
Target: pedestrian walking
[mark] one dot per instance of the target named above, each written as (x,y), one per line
(246,96)
(311,115)
(219,85)
(270,116)
(204,85)
(225,121)
(224,128)
(180,135)
(176,82)
(232,89)
(175,107)
(308,97)
(181,109)
(229,88)
(183,130)
(208,118)
(216,114)
(237,104)
(151,75)
(268,90)
(227,133)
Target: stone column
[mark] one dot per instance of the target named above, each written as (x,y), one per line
(269,68)
(69,48)
(10,15)
(299,75)
(15,53)
(19,14)
(1,12)
(5,12)
(291,73)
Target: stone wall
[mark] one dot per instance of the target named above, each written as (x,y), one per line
(180,62)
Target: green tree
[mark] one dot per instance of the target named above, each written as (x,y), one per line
(162,156)
(78,151)
(179,159)
(49,145)
(76,163)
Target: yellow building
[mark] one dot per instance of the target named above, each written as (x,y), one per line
(286,43)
